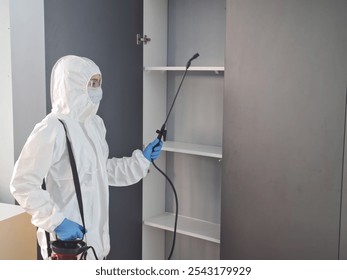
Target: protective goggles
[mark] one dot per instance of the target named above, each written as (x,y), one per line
(94,82)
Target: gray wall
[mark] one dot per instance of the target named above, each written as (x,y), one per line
(284,120)
(105,31)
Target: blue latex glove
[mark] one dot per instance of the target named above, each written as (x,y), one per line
(150,153)
(69,230)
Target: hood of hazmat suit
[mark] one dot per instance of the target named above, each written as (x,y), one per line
(45,155)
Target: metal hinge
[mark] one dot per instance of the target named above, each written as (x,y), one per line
(143,39)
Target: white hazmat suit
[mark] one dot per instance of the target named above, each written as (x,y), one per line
(45,155)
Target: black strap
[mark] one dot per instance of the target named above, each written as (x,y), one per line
(75,178)
(49,249)
(77,189)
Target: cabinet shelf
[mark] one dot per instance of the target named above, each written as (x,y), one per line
(193,149)
(187,226)
(215,69)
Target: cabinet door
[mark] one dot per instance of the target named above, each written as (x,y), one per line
(284,121)
(106,31)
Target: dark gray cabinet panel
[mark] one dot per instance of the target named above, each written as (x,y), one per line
(284,120)
(105,31)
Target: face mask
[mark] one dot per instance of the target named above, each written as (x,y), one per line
(95,94)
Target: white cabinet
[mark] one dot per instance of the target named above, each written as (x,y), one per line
(193,151)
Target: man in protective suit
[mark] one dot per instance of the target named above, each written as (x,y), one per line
(75,94)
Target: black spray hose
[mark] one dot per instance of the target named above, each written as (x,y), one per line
(84,254)
(176,215)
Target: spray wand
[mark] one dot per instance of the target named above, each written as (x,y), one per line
(162,131)
(162,135)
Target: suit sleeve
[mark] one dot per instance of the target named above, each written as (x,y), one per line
(127,170)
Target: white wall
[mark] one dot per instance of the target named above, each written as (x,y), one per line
(28,68)
(22,80)
(6,110)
